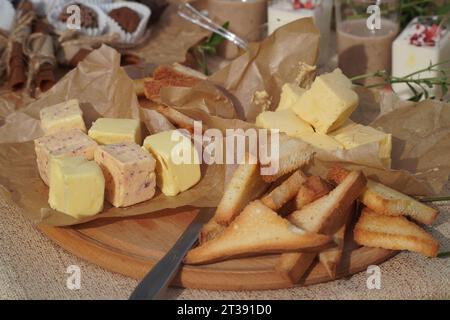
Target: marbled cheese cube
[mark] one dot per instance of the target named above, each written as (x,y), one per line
(62,117)
(77,186)
(62,144)
(129,173)
(110,130)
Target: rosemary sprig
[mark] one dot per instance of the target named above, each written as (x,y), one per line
(209,47)
(418,85)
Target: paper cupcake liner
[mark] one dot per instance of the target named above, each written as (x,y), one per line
(53,17)
(113,27)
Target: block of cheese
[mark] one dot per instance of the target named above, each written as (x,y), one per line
(285,120)
(177,161)
(63,116)
(321,141)
(77,186)
(290,94)
(353,135)
(328,103)
(62,144)
(129,173)
(110,130)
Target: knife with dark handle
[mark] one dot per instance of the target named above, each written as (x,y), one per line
(160,276)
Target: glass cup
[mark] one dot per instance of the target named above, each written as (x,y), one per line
(366,30)
(245,17)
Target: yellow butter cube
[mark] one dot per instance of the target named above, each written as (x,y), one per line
(76,186)
(111,130)
(321,141)
(285,120)
(61,117)
(329,102)
(290,94)
(353,135)
(177,161)
(129,173)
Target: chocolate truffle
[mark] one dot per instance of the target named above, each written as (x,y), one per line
(88,16)
(127,18)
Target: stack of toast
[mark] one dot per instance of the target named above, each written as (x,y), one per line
(306,218)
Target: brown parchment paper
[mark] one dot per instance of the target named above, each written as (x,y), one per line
(104,89)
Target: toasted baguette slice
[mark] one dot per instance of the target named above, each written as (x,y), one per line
(245,185)
(285,191)
(314,188)
(394,233)
(257,230)
(330,258)
(387,201)
(325,215)
(293,154)
(139,86)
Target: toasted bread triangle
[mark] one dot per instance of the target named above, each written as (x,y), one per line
(285,191)
(293,154)
(387,201)
(257,230)
(395,233)
(325,215)
(245,185)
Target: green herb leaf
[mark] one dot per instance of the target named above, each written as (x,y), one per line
(444,255)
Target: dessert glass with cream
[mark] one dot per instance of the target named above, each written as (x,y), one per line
(281,12)
(366,30)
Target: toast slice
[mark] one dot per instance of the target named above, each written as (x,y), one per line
(394,233)
(177,118)
(314,188)
(257,230)
(293,154)
(387,201)
(285,191)
(326,216)
(245,185)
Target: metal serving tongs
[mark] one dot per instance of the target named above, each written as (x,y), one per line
(188,12)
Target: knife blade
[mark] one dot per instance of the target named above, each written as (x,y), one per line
(160,276)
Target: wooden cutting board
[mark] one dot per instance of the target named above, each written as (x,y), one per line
(131,246)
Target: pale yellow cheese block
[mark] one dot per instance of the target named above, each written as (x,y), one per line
(62,144)
(129,173)
(76,186)
(321,141)
(290,94)
(353,135)
(174,173)
(62,117)
(329,102)
(285,120)
(111,130)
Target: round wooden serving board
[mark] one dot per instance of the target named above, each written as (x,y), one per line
(131,246)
